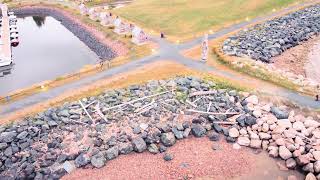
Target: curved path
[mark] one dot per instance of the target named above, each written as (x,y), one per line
(171,52)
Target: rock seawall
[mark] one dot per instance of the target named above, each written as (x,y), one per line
(270,39)
(152,117)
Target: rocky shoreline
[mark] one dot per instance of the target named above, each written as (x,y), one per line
(270,39)
(152,117)
(103,51)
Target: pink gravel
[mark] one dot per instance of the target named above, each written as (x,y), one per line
(193,158)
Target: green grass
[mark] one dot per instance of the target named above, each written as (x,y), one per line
(181,18)
(258,73)
(98,2)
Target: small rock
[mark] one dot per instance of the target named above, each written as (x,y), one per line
(112,152)
(168,139)
(308,167)
(280,114)
(233,132)
(69,166)
(178,134)
(291,163)
(22,135)
(316,167)
(125,148)
(255,143)
(311,123)
(153,148)
(7,136)
(303,160)
(213,136)
(215,147)
(284,153)
(236,146)
(98,160)
(81,160)
(316,155)
(198,130)
(230,139)
(139,145)
(273,152)
(298,126)
(243,141)
(144,126)
(310,176)
(265,127)
(253,99)
(167,157)
(264,136)
(162,148)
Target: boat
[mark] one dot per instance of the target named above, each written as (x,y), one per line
(14,39)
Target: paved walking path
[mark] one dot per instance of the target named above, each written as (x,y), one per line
(169,51)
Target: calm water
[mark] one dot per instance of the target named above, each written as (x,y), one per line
(46,51)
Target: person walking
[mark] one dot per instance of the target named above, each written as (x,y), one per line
(101,63)
(318,92)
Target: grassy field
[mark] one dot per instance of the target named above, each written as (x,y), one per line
(187,18)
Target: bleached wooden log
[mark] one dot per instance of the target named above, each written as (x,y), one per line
(85,110)
(209,106)
(97,108)
(212,113)
(133,101)
(224,122)
(202,93)
(191,103)
(141,108)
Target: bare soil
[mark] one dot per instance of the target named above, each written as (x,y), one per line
(302,59)
(194,158)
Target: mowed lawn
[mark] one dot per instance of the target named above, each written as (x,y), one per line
(185,18)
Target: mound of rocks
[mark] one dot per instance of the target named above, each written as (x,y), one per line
(103,51)
(151,117)
(264,41)
(293,138)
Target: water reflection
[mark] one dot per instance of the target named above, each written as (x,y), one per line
(5,70)
(43,54)
(39,20)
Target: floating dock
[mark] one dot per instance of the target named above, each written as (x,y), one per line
(5,41)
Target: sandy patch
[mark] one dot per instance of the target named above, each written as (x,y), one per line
(312,66)
(194,158)
(301,60)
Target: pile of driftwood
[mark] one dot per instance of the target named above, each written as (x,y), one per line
(97,112)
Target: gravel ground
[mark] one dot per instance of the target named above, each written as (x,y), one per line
(312,67)
(102,50)
(302,60)
(193,158)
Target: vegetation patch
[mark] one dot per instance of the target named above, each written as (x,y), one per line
(185,19)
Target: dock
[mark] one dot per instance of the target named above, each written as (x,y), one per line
(5,42)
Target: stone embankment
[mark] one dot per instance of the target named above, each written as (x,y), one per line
(152,117)
(270,39)
(103,51)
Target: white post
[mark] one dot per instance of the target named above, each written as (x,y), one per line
(204,48)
